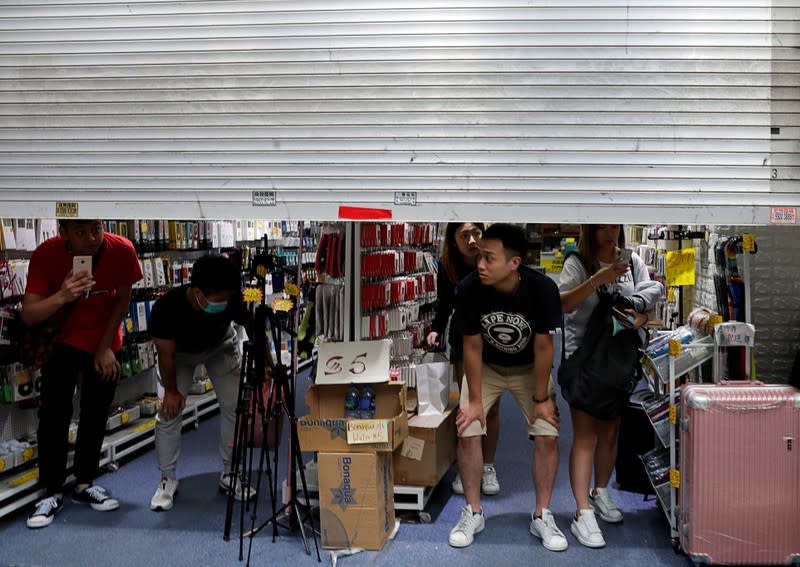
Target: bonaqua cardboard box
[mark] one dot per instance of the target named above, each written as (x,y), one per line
(356,499)
(325,427)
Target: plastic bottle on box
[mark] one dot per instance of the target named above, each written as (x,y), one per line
(367,402)
(352,402)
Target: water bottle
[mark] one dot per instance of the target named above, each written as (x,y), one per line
(366,402)
(351,402)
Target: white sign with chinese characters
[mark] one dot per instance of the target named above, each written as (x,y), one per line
(264,198)
(735,334)
(408,198)
(362,362)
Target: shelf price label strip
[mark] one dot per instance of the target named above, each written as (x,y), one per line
(675,478)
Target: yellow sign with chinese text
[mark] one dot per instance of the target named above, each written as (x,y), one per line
(680,267)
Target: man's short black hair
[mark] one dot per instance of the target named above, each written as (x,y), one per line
(512,237)
(214,273)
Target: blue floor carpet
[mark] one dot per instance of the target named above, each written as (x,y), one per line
(191,533)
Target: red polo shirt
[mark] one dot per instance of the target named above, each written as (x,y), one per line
(117,266)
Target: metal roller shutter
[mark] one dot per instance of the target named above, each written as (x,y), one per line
(558,111)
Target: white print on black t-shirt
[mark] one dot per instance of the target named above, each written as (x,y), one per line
(507,332)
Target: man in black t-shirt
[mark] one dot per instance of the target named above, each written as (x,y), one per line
(192,325)
(508,313)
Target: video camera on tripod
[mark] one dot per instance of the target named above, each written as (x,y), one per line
(266,395)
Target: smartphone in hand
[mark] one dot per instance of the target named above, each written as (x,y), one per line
(624,255)
(81,264)
(626,319)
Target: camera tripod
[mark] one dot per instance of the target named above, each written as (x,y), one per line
(252,408)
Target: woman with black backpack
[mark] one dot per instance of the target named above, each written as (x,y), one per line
(602,271)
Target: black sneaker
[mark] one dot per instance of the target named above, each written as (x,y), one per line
(97,498)
(45,512)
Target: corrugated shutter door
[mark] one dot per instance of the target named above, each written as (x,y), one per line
(552,111)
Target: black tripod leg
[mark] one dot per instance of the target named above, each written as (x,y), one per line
(261,414)
(239,433)
(301,468)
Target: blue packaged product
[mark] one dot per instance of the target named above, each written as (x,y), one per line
(352,402)
(367,402)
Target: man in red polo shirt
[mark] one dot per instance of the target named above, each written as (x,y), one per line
(93,304)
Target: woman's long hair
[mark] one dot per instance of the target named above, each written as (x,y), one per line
(587,245)
(451,257)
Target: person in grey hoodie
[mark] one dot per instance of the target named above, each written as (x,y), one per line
(602,264)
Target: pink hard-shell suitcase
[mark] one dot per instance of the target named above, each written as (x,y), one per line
(739,500)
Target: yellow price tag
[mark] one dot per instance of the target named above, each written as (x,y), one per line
(714,320)
(671,294)
(129,325)
(674,347)
(145,426)
(673,414)
(27,455)
(2,465)
(281,304)
(680,267)
(252,295)
(748,242)
(124,418)
(27,477)
(292,289)
(675,478)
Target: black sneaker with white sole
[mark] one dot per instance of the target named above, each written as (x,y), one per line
(45,512)
(97,497)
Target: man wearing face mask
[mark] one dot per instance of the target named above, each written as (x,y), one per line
(190,325)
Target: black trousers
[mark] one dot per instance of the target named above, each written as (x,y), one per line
(59,377)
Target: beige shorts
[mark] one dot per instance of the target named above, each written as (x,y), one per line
(519,381)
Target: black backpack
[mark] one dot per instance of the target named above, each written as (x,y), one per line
(602,373)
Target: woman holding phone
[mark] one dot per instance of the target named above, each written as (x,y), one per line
(603,263)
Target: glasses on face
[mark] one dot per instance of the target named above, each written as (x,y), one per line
(468,235)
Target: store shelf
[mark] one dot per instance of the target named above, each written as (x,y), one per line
(16,490)
(21,487)
(691,356)
(658,475)
(141,433)
(666,371)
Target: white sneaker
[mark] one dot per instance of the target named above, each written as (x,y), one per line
(468,525)
(586,530)
(545,528)
(242,493)
(489,483)
(165,494)
(604,506)
(457,486)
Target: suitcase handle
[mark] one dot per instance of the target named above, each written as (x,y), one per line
(740,383)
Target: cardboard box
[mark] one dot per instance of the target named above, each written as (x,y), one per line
(326,429)
(428,451)
(356,499)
